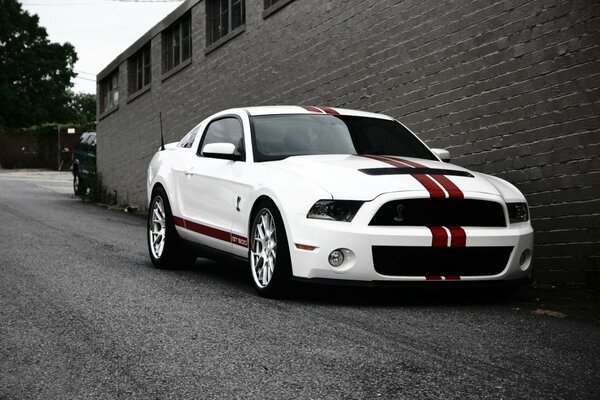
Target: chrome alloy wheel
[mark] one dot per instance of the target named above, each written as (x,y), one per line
(158,228)
(264,248)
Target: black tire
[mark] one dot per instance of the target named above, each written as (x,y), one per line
(174,253)
(78,185)
(282,268)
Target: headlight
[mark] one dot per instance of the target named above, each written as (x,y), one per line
(334,210)
(517,212)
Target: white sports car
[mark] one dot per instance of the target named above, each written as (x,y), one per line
(321,193)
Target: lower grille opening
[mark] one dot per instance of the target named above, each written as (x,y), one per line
(421,261)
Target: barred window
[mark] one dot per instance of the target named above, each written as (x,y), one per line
(138,68)
(222,17)
(109,92)
(177,43)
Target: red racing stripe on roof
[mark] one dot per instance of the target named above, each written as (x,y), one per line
(329,110)
(313,109)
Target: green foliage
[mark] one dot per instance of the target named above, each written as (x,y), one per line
(35,74)
(82,109)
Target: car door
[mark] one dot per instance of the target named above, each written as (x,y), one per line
(208,194)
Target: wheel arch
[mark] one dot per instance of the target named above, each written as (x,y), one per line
(278,205)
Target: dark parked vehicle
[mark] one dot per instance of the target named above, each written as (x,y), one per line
(84,162)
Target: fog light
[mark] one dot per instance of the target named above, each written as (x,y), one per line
(336,258)
(524,257)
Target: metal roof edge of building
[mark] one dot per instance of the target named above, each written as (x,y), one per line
(146,37)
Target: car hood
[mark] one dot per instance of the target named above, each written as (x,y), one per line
(361,177)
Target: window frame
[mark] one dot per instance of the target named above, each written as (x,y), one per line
(193,132)
(205,131)
(273,7)
(176,41)
(212,42)
(139,70)
(109,92)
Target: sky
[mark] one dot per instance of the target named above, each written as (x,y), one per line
(99,29)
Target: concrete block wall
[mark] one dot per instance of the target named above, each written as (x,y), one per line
(511,88)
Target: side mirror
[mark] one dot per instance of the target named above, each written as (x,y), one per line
(442,154)
(225,151)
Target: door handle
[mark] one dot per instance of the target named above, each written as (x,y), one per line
(189,171)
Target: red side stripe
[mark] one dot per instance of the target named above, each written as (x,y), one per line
(313,109)
(433,277)
(459,237)
(440,236)
(435,192)
(329,110)
(212,232)
(208,231)
(179,221)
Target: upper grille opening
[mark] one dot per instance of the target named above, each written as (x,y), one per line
(440,212)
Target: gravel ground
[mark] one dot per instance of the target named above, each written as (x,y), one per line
(83,314)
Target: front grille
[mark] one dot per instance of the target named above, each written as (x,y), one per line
(440,212)
(421,261)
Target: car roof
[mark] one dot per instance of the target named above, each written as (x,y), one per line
(279,110)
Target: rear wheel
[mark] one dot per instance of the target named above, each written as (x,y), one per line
(164,244)
(270,263)
(78,186)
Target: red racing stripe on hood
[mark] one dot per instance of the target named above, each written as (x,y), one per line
(435,192)
(453,191)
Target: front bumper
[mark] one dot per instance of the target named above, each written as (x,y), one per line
(358,238)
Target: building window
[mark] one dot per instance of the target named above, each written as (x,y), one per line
(109,92)
(177,43)
(138,68)
(269,3)
(222,17)
(271,6)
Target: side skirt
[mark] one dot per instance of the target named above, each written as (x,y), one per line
(215,254)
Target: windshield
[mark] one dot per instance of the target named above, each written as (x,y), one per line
(280,136)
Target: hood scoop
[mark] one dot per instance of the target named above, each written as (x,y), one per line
(414,171)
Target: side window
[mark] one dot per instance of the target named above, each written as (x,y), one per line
(188,139)
(225,130)
(92,142)
(83,144)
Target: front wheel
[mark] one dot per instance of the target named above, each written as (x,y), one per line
(164,245)
(270,263)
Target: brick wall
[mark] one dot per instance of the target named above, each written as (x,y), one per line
(511,88)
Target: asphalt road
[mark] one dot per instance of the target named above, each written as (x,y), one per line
(83,314)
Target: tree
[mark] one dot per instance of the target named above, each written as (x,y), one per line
(35,74)
(82,109)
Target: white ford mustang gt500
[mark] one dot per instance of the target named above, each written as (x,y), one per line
(321,193)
